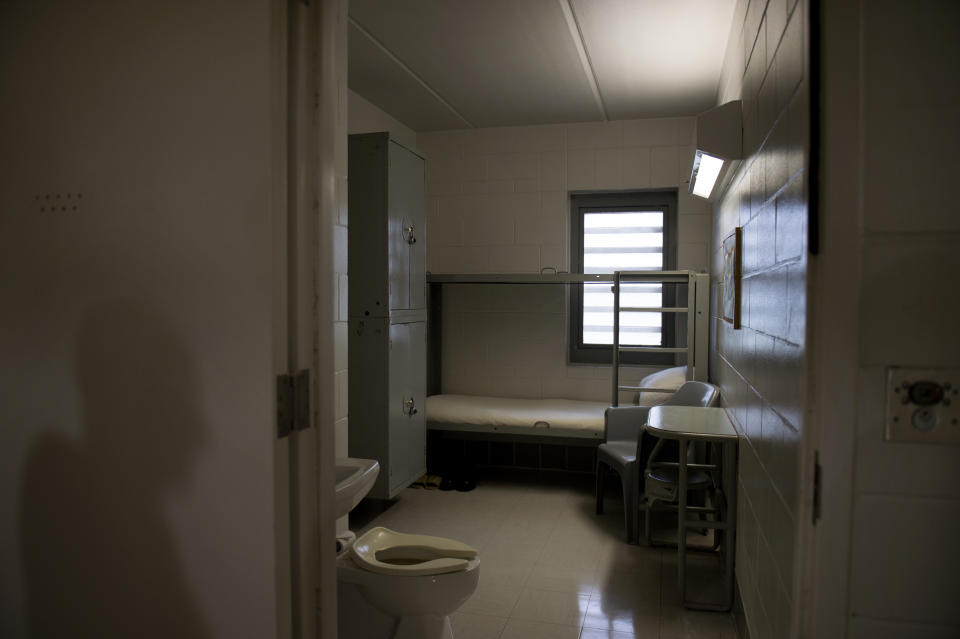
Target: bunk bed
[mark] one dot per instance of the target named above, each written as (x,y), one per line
(547,432)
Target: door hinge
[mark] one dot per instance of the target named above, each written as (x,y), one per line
(817,486)
(293,403)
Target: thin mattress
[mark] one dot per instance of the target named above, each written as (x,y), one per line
(548,417)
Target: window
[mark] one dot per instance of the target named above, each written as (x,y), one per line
(622,232)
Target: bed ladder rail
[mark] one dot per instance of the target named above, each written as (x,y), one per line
(697,311)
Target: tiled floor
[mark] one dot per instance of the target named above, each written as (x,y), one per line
(552,568)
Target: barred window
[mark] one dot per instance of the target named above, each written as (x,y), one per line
(621,232)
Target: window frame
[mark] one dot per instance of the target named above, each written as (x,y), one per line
(664,200)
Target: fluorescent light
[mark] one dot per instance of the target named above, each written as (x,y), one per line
(706,176)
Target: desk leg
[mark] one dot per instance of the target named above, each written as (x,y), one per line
(730,534)
(682,522)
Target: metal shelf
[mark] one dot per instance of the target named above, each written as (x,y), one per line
(557,278)
(696,309)
(654,309)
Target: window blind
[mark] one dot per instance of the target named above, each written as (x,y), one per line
(622,241)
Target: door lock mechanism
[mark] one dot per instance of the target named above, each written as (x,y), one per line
(409,407)
(408,235)
(923,405)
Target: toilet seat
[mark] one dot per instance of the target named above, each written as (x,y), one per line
(387,552)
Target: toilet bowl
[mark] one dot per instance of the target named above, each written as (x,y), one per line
(418,579)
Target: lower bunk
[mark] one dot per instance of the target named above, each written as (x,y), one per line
(467,433)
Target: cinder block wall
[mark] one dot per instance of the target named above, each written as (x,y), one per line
(761,367)
(498,203)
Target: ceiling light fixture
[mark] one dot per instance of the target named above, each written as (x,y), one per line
(719,148)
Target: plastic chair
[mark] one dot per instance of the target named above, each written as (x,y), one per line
(624,446)
(663,484)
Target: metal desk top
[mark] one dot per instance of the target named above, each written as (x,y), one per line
(690,422)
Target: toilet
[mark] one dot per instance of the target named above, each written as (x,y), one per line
(418,579)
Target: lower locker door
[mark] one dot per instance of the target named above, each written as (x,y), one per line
(407,400)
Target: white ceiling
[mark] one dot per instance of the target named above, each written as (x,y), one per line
(451,64)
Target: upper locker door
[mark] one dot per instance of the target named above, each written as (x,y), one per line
(407,224)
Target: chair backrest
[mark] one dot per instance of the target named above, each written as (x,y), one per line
(695,394)
(689,394)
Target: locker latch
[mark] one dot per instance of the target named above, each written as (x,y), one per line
(409,407)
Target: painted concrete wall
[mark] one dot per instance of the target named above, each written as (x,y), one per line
(366,117)
(761,367)
(331,305)
(498,202)
(138,201)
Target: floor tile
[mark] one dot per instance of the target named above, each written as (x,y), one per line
(596,633)
(496,600)
(502,549)
(626,558)
(504,574)
(677,622)
(523,629)
(551,568)
(705,580)
(621,616)
(629,591)
(472,626)
(561,579)
(565,608)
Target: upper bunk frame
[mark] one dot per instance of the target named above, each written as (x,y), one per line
(697,310)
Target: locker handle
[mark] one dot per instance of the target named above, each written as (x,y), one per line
(409,407)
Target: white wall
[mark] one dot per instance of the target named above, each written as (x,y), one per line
(366,117)
(761,368)
(138,330)
(498,202)
(340,225)
(332,356)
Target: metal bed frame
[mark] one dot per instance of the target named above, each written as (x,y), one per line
(697,311)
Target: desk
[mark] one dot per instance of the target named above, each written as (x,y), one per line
(685,424)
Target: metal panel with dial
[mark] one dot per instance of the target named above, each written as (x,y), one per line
(923,405)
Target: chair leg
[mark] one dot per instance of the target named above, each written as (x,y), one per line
(601,485)
(646,524)
(628,481)
(630,511)
(721,507)
(642,506)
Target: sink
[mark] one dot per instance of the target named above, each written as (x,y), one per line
(355,478)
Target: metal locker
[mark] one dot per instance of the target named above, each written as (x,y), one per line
(407,239)
(406,407)
(387,307)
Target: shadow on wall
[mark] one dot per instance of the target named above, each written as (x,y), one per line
(99,557)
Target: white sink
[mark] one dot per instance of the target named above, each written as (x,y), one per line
(355,478)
